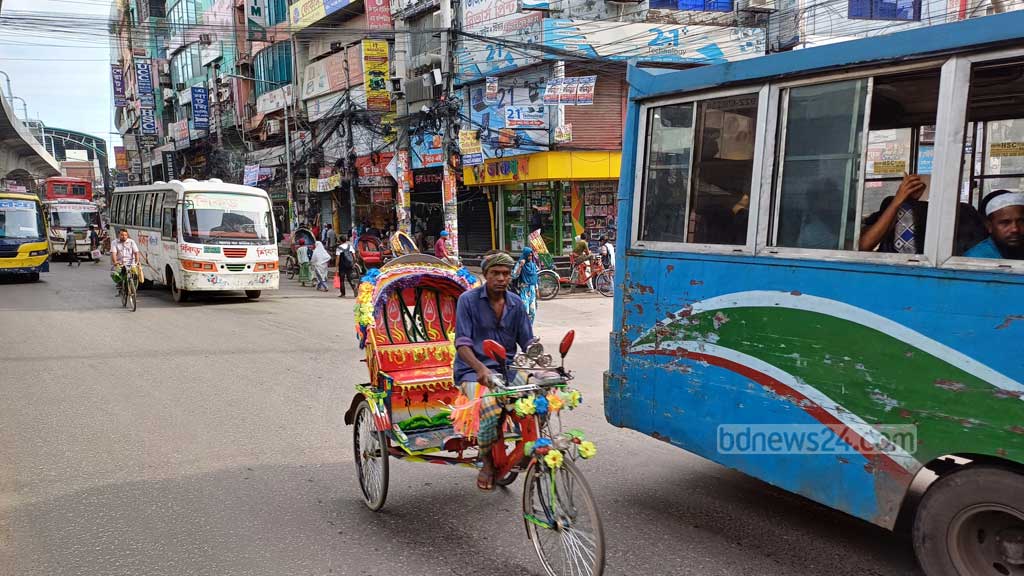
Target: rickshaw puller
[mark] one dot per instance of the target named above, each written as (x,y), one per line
(490,312)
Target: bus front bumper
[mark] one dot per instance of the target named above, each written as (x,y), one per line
(214,281)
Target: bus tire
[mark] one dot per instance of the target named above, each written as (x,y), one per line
(969,522)
(177,294)
(253,294)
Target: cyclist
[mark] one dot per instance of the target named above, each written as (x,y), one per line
(582,255)
(124,253)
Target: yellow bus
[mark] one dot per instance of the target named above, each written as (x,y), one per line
(24,248)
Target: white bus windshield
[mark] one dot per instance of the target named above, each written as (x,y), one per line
(220,218)
(74,216)
(20,219)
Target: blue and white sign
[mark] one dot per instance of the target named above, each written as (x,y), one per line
(478,59)
(252,175)
(147,122)
(117,77)
(200,108)
(144,83)
(525,103)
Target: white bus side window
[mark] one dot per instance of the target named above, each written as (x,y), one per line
(147,206)
(698,171)
(990,211)
(158,210)
(129,215)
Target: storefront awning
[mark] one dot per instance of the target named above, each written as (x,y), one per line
(543,166)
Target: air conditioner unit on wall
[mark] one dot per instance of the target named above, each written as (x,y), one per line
(273,127)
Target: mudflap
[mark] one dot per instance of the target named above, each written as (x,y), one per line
(350,414)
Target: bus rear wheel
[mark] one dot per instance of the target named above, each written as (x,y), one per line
(253,294)
(178,294)
(971,523)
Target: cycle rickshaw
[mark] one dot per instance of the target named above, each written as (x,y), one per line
(405,321)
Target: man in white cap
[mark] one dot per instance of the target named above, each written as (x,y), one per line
(1004,219)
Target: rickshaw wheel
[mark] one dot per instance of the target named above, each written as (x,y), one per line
(371,453)
(562,521)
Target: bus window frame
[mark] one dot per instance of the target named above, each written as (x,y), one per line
(769,214)
(761,89)
(959,86)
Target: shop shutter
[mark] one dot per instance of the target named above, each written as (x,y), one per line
(598,126)
(474,222)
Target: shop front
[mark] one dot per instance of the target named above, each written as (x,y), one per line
(426,205)
(375,192)
(562,194)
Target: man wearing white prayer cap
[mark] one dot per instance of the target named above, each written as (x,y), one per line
(1004,219)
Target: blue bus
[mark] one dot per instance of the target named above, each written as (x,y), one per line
(821,263)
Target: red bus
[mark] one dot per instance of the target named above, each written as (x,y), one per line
(64,187)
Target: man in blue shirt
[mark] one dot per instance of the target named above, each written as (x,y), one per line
(1004,219)
(490,312)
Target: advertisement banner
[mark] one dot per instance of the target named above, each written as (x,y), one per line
(427,151)
(477,14)
(327,75)
(307,12)
(491,118)
(251,175)
(178,133)
(144,84)
(679,43)
(568,93)
(121,158)
(585,89)
(372,174)
(478,59)
(170,166)
(274,100)
(147,122)
(526,117)
(553,92)
(491,90)
(472,151)
(200,108)
(378,14)
(376,75)
(256,17)
(563,134)
(117,77)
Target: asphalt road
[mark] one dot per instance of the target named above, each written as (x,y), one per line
(208,438)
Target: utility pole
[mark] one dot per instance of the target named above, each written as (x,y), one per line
(449,192)
(288,157)
(350,144)
(216,106)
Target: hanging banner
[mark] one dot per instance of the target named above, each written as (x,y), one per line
(553,91)
(117,77)
(170,166)
(378,14)
(491,91)
(144,84)
(147,121)
(179,134)
(376,75)
(200,108)
(256,17)
(251,175)
(121,158)
(568,92)
(472,150)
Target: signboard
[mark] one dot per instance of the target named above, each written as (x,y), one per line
(477,13)
(144,84)
(563,134)
(328,74)
(428,152)
(491,90)
(553,91)
(117,77)
(652,42)
(251,176)
(256,16)
(374,175)
(491,118)
(1006,149)
(478,59)
(568,93)
(178,133)
(274,100)
(306,12)
(376,75)
(170,166)
(585,89)
(200,108)
(120,158)
(526,117)
(378,14)
(472,151)
(147,122)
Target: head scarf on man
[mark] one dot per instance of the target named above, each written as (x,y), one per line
(497,259)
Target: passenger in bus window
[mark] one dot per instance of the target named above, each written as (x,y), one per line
(1004,220)
(819,226)
(898,225)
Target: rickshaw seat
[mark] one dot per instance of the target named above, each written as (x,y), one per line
(421,376)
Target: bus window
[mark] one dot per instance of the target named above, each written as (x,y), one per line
(990,215)
(158,203)
(130,210)
(78,190)
(170,228)
(147,210)
(700,163)
(60,190)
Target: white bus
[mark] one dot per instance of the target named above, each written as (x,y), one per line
(201,236)
(71,217)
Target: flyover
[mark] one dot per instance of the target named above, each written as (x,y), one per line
(23,159)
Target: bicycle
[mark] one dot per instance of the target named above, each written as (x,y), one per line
(128,288)
(603,279)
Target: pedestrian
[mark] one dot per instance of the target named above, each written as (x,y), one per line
(316,231)
(321,261)
(346,263)
(330,238)
(303,255)
(441,246)
(94,243)
(607,251)
(527,276)
(71,246)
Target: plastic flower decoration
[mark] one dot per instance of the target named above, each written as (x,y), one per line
(587,449)
(528,448)
(541,404)
(554,402)
(525,406)
(542,443)
(467,276)
(574,399)
(553,459)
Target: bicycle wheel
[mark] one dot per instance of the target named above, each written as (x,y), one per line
(562,521)
(605,283)
(133,292)
(371,452)
(547,284)
(124,293)
(290,267)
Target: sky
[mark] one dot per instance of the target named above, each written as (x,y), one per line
(64,81)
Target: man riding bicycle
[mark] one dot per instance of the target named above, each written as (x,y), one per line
(124,253)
